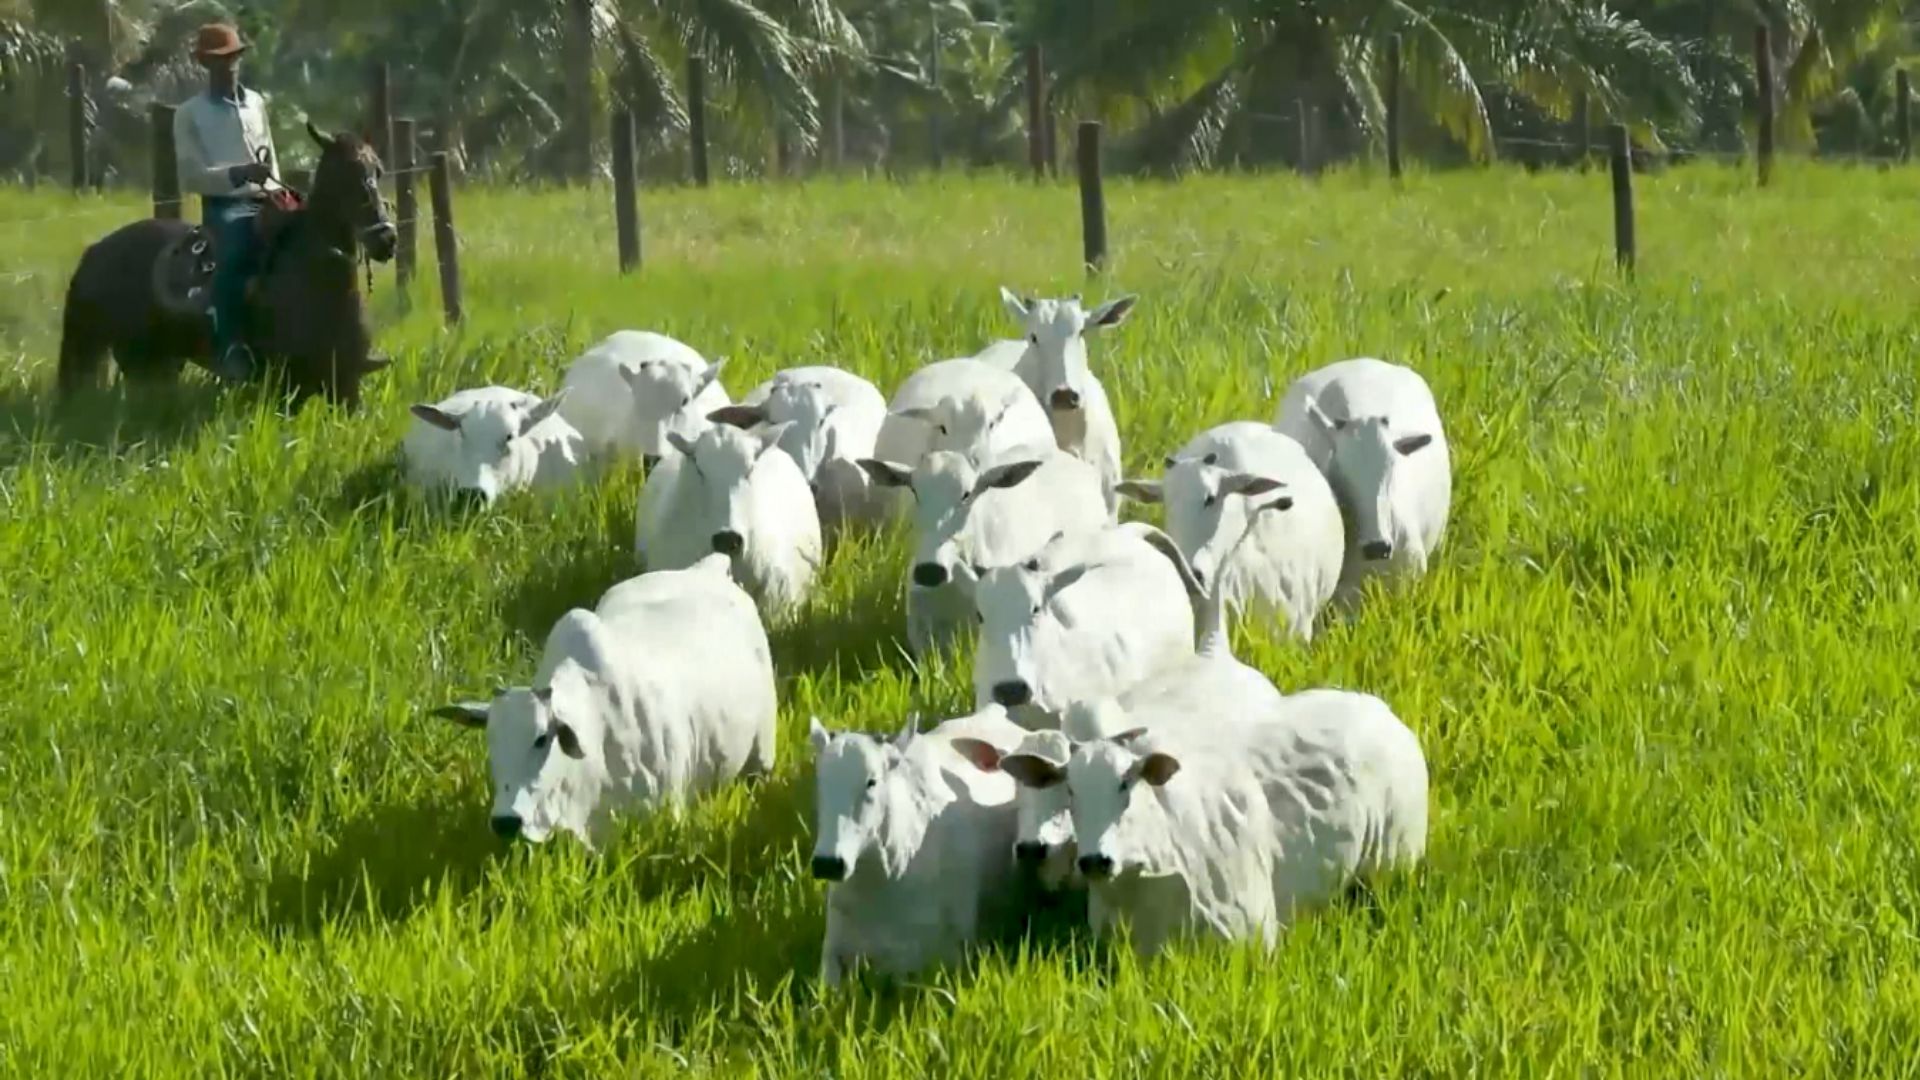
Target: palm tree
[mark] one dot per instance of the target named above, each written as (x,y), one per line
(1815,44)
(489,66)
(1203,79)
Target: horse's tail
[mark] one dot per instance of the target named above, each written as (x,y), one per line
(83,343)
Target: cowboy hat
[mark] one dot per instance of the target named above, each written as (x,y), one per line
(218,39)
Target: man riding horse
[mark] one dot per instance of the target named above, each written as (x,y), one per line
(286,300)
(226,156)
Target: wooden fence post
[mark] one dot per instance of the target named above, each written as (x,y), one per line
(1623,238)
(1053,137)
(380,113)
(166,168)
(1036,112)
(1903,113)
(1583,128)
(1393,107)
(1093,201)
(837,123)
(697,116)
(406,200)
(1763,91)
(444,241)
(1306,135)
(77,123)
(626,206)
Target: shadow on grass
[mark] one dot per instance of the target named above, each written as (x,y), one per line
(383,866)
(127,418)
(849,636)
(375,489)
(575,576)
(760,947)
(692,852)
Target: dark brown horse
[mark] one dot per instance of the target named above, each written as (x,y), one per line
(140,292)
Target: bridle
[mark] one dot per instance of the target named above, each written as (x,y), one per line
(286,197)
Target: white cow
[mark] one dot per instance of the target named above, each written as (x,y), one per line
(490,441)
(1087,616)
(1194,692)
(915,845)
(1256,520)
(973,408)
(662,692)
(1043,834)
(1054,366)
(967,518)
(833,419)
(1372,427)
(1237,830)
(634,386)
(735,493)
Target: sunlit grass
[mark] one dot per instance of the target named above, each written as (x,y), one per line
(1664,671)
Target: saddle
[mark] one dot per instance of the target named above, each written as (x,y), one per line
(183,271)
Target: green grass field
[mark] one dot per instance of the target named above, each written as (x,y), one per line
(1664,672)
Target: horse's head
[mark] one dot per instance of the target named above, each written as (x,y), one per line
(346,184)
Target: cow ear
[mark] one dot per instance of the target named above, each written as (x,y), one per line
(569,741)
(709,376)
(1146,491)
(1113,312)
(1412,443)
(433,415)
(1311,406)
(817,734)
(740,416)
(540,412)
(770,437)
(1158,768)
(1029,770)
(1063,581)
(1249,485)
(1009,475)
(984,755)
(886,473)
(471,714)
(1015,306)
(681,443)
(1127,736)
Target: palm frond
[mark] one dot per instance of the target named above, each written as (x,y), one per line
(1189,135)
(646,85)
(740,42)
(26,53)
(1439,81)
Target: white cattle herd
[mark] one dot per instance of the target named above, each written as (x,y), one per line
(1117,748)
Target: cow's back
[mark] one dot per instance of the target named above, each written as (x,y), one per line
(697,667)
(1346,797)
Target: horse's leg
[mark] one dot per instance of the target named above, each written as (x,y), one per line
(148,365)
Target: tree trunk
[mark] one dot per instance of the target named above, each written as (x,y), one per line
(578,58)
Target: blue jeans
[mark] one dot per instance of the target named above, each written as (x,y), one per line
(236,259)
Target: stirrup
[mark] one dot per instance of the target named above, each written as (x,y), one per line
(238,353)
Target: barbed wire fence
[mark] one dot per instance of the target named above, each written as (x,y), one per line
(396,140)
